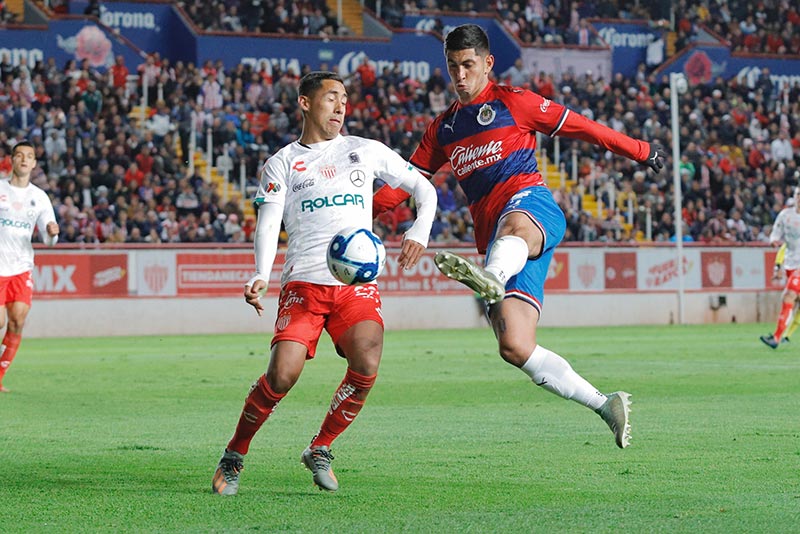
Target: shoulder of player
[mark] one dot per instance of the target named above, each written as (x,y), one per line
(355,141)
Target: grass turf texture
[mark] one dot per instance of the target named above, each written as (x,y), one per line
(123,435)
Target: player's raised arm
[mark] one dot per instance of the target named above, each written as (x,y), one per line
(402,176)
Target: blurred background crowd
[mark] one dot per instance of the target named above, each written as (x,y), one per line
(120,168)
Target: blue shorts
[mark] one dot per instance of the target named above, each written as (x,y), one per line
(538,204)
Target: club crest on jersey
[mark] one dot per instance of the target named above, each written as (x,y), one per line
(354,159)
(328,171)
(486,115)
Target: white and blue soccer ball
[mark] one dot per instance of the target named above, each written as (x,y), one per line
(356,256)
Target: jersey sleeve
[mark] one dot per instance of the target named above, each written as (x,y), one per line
(776,235)
(401,175)
(429,155)
(46,216)
(272,183)
(551,118)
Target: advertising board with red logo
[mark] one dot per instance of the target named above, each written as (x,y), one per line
(168,273)
(81,275)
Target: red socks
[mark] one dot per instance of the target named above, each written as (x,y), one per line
(258,406)
(783,320)
(7,351)
(345,405)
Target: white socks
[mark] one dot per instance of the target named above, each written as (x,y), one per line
(507,257)
(554,373)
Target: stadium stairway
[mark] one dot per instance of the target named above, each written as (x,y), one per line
(224,189)
(17,7)
(351,14)
(555,178)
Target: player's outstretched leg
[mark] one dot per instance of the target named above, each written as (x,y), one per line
(226,477)
(616,412)
(318,461)
(471,275)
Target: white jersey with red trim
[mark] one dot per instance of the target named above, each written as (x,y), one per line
(787,230)
(324,188)
(21,209)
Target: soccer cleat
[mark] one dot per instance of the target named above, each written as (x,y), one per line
(318,461)
(769,340)
(471,275)
(4,389)
(226,477)
(784,339)
(615,411)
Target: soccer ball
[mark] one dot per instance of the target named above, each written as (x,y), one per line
(356,256)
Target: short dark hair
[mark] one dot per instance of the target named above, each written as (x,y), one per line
(20,145)
(465,37)
(313,81)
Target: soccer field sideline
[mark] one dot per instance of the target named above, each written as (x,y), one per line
(123,434)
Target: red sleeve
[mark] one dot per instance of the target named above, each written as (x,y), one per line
(551,118)
(387,198)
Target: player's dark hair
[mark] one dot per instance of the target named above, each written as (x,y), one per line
(20,145)
(465,37)
(313,81)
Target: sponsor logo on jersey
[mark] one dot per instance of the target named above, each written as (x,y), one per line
(305,184)
(544,105)
(290,300)
(299,166)
(328,171)
(354,159)
(336,200)
(464,160)
(273,187)
(15,224)
(486,115)
(358,178)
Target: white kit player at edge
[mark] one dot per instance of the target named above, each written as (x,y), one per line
(23,206)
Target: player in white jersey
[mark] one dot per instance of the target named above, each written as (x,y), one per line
(316,186)
(23,206)
(786,231)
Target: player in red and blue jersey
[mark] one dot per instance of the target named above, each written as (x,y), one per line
(489,137)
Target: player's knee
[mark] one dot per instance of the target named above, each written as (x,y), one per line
(281,381)
(514,352)
(15,325)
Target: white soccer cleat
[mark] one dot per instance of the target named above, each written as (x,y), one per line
(471,275)
(615,411)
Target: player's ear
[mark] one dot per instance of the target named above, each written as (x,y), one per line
(489,63)
(305,102)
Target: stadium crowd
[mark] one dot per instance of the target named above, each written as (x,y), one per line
(114,178)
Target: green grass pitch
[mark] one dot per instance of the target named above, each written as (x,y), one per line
(123,435)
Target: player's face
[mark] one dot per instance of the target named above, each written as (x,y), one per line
(469,72)
(324,111)
(24,161)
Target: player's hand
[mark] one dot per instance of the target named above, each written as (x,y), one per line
(655,160)
(410,253)
(776,275)
(252,295)
(52,229)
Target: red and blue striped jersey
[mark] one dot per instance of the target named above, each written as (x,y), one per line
(490,144)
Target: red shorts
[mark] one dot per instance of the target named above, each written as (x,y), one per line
(793,280)
(17,288)
(304,309)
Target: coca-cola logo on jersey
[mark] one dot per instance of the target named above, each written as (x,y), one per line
(464,160)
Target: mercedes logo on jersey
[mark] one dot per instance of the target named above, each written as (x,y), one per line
(358,178)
